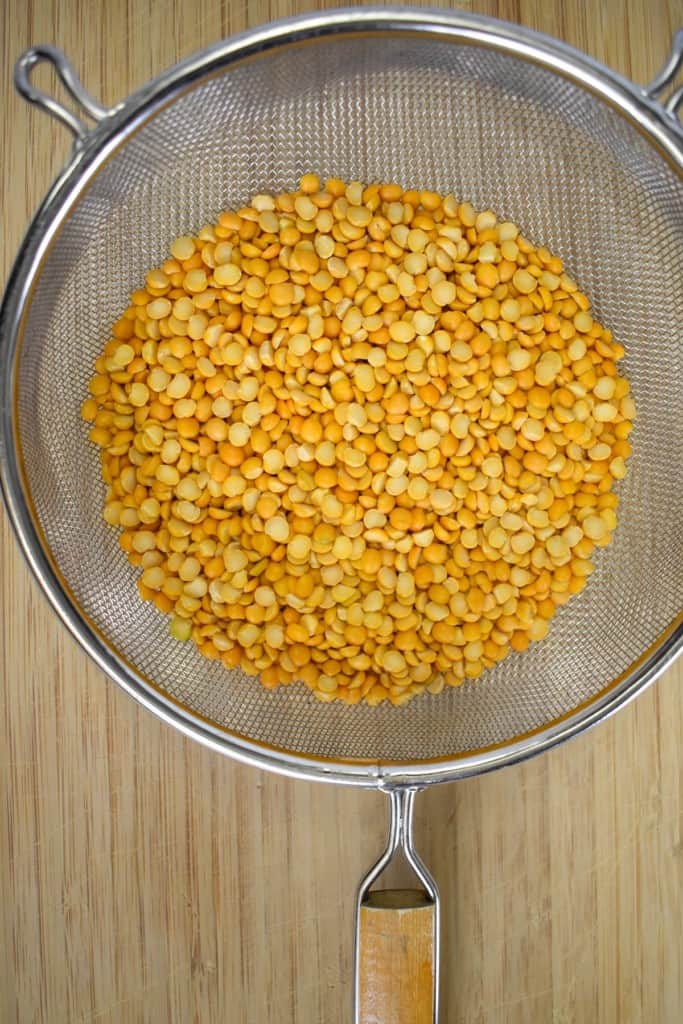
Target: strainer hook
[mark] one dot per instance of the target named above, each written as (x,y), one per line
(71,82)
(666,76)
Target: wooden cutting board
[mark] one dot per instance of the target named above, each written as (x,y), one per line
(144,880)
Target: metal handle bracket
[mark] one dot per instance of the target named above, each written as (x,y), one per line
(71,82)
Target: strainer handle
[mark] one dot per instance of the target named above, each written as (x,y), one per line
(71,82)
(397,935)
(666,76)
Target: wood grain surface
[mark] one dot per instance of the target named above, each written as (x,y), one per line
(144,879)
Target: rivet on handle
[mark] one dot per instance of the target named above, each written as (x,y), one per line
(71,82)
(666,76)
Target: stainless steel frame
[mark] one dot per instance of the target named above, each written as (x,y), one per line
(92,148)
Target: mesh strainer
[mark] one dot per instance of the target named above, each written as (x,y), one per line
(583,160)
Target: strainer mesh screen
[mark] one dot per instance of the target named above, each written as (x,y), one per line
(445,116)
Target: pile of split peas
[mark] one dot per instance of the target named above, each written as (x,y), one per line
(360,436)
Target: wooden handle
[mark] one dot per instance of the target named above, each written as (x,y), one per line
(396,958)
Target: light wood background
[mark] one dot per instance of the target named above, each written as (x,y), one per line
(143,879)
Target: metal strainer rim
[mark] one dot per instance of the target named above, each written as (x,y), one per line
(90,153)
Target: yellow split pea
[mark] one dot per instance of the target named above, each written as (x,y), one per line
(360,436)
